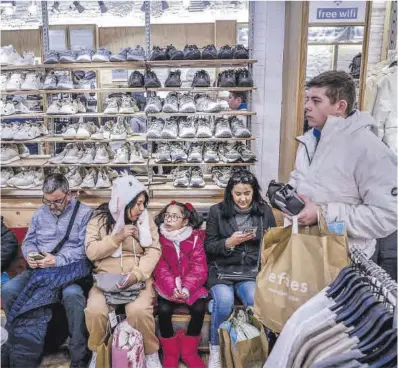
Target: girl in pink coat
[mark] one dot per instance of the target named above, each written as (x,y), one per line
(179,277)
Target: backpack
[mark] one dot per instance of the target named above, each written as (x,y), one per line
(355,66)
(127,347)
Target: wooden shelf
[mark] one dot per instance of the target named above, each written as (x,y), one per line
(153,163)
(111,164)
(23,116)
(169,186)
(200,63)
(60,139)
(92,115)
(29,161)
(212,139)
(223,113)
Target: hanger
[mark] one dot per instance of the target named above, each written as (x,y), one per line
(381,340)
(355,310)
(373,315)
(384,355)
(339,283)
(349,292)
(368,335)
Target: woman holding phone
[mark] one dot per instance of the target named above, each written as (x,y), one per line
(234,230)
(122,241)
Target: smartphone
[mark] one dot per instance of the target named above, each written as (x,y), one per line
(252,230)
(36,256)
(123,280)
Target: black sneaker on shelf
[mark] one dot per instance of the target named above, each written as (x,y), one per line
(191,52)
(240,52)
(244,78)
(227,78)
(136,80)
(174,79)
(209,52)
(225,52)
(151,80)
(158,54)
(201,79)
(174,54)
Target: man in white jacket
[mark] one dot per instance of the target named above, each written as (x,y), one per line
(342,168)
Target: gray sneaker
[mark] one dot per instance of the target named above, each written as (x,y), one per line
(51,57)
(51,81)
(187,104)
(90,179)
(197,180)
(181,177)
(154,105)
(210,152)
(155,128)
(120,56)
(128,105)
(228,152)
(65,82)
(171,103)
(246,154)
(84,56)
(102,55)
(223,130)
(113,106)
(205,104)
(178,153)
(221,176)
(163,153)
(136,54)
(195,152)
(239,129)
(170,129)
(187,128)
(204,128)
(67,56)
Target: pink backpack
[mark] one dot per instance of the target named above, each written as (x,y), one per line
(127,347)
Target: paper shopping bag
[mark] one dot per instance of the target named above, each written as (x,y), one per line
(297,263)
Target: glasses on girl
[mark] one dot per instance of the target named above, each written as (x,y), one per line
(172,216)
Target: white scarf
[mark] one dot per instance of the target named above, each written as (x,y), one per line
(176,235)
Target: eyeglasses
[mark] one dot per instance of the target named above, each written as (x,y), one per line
(57,203)
(172,216)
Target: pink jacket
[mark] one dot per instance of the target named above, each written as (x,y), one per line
(191,267)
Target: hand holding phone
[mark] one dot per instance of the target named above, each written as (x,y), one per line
(36,256)
(123,281)
(251,230)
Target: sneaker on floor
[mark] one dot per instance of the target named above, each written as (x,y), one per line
(118,131)
(102,55)
(205,104)
(128,105)
(178,153)
(246,154)
(191,52)
(6,174)
(84,56)
(210,152)
(154,105)
(171,103)
(170,129)
(73,156)
(228,152)
(244,78)
(101,154)
(181,177)
(32,82)
(74,177)
(195,152)
(174,54)
(239,129)
(88,156)
(151,80)
(136,54)
(103,180)
(187,104)
(155,128)
(222,129)
(163,153)
(240,52)
(201,79)
(187,128)
(27,131)
(50,81)
(122,155)
(158,54)
(121,55)
(67,56)
(197,179)
(60,157)
(225,52)
(90,179)
(65,82)
(226,78)
(113,106)
(209,52)
(204,128)
(173,79)
(136,80)
(51,57)
(15,82)
(136,154)
(9,153)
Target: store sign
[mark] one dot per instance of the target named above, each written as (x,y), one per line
(337,11)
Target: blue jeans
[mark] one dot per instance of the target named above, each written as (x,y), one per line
(74,302)
(224,300)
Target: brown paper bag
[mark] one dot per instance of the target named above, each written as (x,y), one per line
(296,265)
(104,353)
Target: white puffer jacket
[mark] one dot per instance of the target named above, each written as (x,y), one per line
(352,175)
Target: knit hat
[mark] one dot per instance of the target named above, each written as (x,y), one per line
(124,190)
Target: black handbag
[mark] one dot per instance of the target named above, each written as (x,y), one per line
(284,198)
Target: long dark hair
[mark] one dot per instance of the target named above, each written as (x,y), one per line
(104,214)
(243,176)
(195,219)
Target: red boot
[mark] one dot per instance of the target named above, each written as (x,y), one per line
(171,351)
(189,350)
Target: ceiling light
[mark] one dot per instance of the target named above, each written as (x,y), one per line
(79,7)
(102,6)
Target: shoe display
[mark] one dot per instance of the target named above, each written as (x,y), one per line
(21,105)
(177,153)
(74,177)
(136,54)
(128,105)
(70,132)
(228,152)
(171,103)
(225,52)
(51,57)
(203,128)
(8,109)
(68,107)
(118,131)
(84,56)
(222,128)
(6,174)
(102,55)
(155,128)
(187,128)
(122,154)
(101,154)
(154,105)
(226,78)
(88,155)
(163,153)
(120,56)
(136,154)
(55,107)
(9,56)
(238,128)
(243,78)
(3,81)
(174,79)
(170,129)
(197,179)
(191,52)
(112,106)
(9,153)
(136,80)
(27,131)
(210,152)
(15,82)
(50,81)
(60,157)
(90,179)
(158,54)
(187,103)
(151,80)
(205,104)
(8,131)
(209,52)
(103,179)
(221,176)
(65,81)
(246,154)
(195,152)
(107,129)
(25,179)
(81,108)
(23,150)
(83,131)
(32,82)
(181,177)
(240,52)
(174,54)
(74,155)
(201,79)
(67,56)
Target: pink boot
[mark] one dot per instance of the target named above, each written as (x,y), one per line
(189,350)
(171,351)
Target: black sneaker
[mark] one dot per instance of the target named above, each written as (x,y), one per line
(227,78)
(136,80)
(151,80)
(158,53)
(191,52)
(174,54)
(225,52)
(243,78)
(174,79)
(201,79)
(209,52)
(240,52)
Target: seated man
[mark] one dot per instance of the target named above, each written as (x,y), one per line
(9,247)
(48,230)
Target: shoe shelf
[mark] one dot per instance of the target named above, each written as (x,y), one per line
(110,164)
(136,64)
(36,161)
(153,163)
(60,139)
(212,139)
(93,115)
(24,116)
(223,113)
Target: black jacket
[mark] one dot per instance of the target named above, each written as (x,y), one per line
(245,256)
(9,246)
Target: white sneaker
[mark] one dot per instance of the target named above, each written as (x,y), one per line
(23,150)
(113,106)
(104,132)
(136,154)
(6,174)
(118,131)
(8,131)
(9,153)
(101,155)
(73,155)
(43,129)
(8,109)
(24,180)
(3,81)
(51,81)
(88,156)
(82,131)
(65,82)
(31,83)
(122,155)
(22,107)
(26,132)
(67,107)
(39,177)
(8,55)
(60,157)
(103,180)
(55,107)
(152,360)
(79,106)
(70,132)
(214,358)
(14,83)
(128,106)
(74,177)
(90,179)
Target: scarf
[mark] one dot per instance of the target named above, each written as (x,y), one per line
(176,235)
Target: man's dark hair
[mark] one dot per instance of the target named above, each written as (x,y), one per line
(242,95)
(339,86)
(55,181)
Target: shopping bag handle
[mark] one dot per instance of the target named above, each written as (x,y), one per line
(295,224)
(322,225)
